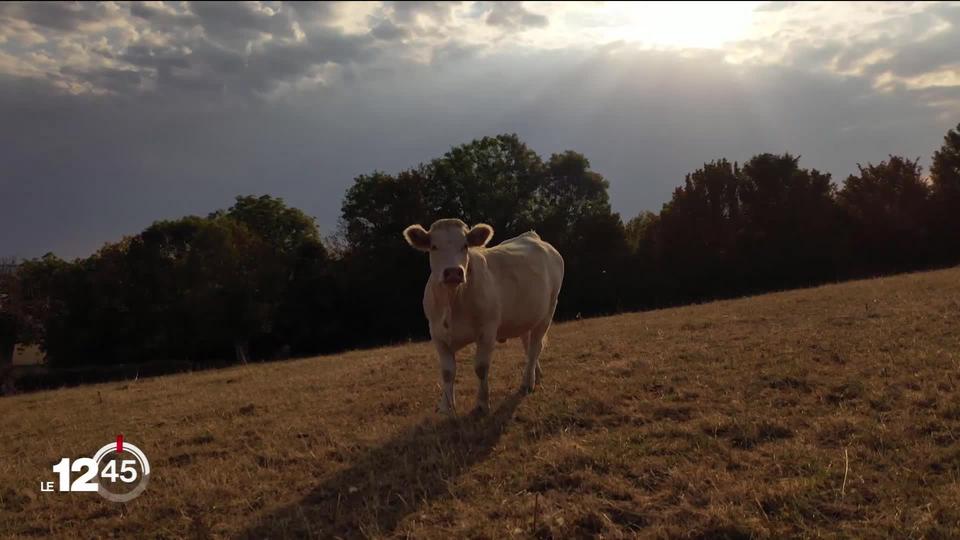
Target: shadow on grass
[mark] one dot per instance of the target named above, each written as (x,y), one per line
(391,481)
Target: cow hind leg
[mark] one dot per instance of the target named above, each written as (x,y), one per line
(542,342)
(525,342)
(532,373)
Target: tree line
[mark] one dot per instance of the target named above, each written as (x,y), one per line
(258,281)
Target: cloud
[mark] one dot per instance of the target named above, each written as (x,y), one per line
(938,51)
(60,16)
(105,167)
(775,6)
(120,81)
(238,23)
(163,15)
(19,32)
(453,52)
(514,16)
(119,114)
(409,12)
(388,31)
(890,43)
(204,49)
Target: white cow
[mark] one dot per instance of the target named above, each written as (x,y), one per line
(481,295)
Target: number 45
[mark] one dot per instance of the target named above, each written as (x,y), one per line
(127,473)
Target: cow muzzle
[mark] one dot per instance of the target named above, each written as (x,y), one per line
(453,276)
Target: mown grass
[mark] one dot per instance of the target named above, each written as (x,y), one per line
(733,419)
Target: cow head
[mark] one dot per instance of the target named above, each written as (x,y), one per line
(448,242)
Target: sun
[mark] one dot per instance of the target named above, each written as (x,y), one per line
(677,24)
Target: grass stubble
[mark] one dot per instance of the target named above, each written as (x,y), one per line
(825,412)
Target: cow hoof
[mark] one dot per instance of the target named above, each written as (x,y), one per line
(479,411)
(526,389)
(445,411)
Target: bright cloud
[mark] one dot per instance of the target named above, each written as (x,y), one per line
(253,48)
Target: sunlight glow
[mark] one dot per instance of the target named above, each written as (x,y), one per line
(678,24)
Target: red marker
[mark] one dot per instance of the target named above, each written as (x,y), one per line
(119,443)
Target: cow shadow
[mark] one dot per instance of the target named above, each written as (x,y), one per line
(391,481)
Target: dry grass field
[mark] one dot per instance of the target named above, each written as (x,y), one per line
(832,411)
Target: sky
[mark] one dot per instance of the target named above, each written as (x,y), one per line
(114,114)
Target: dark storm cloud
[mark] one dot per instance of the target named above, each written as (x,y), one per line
(121,81)
(164,17)
(941,50)
(453,52)
(849,56)
(207,49)
(940,93)
(103,168)
(289,61)
(388,31)
(61,16)
(156,57)
(163,140)
(214,65)
(236,22)
(310,11)
(513,16)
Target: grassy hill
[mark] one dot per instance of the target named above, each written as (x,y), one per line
(831,411)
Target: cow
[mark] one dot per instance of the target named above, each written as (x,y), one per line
(481,295)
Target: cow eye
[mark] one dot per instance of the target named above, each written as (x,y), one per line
(433,248)
(464,248)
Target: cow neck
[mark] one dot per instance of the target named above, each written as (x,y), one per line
(449,297)
(445,297)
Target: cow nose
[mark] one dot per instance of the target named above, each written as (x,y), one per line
(453,275)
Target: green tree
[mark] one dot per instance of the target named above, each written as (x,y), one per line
(44,290)
(572,211)
(886,210)
(699,230)
(642,233)
(645,284)
(376,204)
(945,197)
(496,180)
(493,180)
(569,193)
(309,318)
(300,301)
(12,315)
(284,228)
(211,286)
(789,220)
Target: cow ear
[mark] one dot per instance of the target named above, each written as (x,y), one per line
(479,235)
(417,237)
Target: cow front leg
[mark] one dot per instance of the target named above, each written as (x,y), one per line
(481,366)
(448,372)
